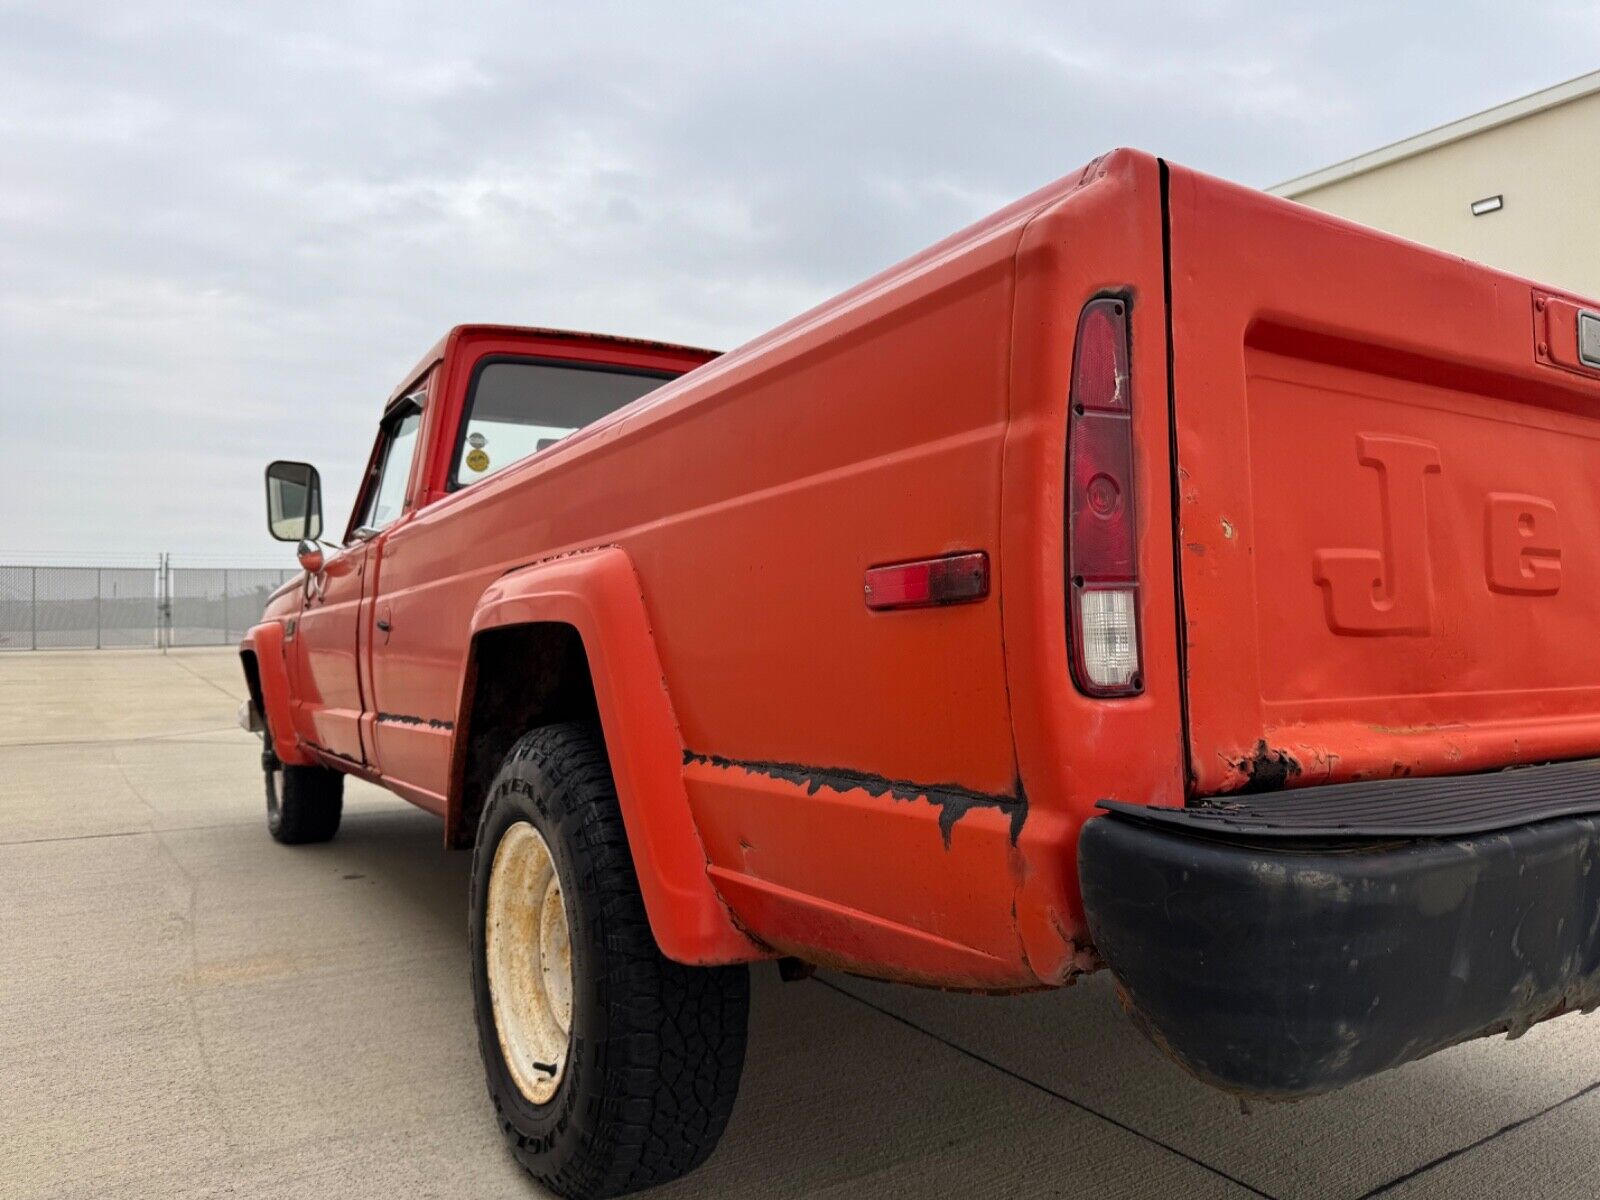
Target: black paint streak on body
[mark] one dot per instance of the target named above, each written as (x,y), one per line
(310,745)
(401,719)
(952,801)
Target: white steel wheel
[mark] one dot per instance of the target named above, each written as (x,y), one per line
(528,952)
(611,1068)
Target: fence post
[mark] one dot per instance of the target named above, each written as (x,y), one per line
(227,625)
(97,608)
(33,608)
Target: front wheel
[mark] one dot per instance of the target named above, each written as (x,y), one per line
(611,1068)
(304,804)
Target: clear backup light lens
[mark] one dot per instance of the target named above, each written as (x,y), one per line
(1109,636)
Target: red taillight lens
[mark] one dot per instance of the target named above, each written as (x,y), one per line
(1102,542)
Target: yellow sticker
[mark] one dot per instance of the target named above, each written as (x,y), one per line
(477,460)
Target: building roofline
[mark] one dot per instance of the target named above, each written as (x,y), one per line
(1455,131)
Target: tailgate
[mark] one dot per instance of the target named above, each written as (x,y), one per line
(1389,484)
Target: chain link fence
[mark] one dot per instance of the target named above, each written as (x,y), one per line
(84,608)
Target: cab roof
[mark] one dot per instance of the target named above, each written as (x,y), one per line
(540,333)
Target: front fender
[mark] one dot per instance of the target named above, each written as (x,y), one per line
(265,641)
(597,593)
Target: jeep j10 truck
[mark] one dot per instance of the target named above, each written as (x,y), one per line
(1156,574)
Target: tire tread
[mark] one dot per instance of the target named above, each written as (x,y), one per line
(311,806)
(675,1035)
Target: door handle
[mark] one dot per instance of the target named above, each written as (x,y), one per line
(383,624)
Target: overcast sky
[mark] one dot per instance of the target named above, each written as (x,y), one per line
(227,229)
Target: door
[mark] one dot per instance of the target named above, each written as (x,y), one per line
(431,568)
(328,696)
(330,638)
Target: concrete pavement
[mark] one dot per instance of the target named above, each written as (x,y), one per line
(188,1009)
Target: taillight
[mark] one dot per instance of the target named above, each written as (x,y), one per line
(1102,539)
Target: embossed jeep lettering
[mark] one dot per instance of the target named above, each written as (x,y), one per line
(1390,590)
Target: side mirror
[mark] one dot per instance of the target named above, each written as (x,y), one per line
(310,556)
(294,502)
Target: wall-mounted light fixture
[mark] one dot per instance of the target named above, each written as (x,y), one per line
(1489,204)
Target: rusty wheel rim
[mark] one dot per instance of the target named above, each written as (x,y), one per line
(528,948)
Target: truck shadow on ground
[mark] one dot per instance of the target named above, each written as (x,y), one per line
(859,1089)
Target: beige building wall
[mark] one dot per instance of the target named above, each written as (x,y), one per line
(1544,162)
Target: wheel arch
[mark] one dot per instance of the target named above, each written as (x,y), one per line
(519,675)
(266,674)
(580,622)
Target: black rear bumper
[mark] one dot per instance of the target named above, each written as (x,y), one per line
(1282,947)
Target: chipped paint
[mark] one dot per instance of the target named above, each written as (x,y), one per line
(403,719)
(1264,769)
(952,800)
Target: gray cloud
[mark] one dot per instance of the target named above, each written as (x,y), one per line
(226,230)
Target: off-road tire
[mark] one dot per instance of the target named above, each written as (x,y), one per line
(655,1048)
(304,804)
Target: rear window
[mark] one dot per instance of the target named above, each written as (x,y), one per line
(518,407)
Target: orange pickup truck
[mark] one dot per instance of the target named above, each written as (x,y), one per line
(1156,575)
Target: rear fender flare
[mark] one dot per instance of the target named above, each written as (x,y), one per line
(597,593)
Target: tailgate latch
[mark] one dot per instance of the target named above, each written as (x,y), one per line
(1566,334)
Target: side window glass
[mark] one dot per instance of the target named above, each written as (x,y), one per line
(388,497)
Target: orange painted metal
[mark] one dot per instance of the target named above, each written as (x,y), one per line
(597,593)
(329,704)
(266,642)
(1102,237)
(1386,504)
(1375,569)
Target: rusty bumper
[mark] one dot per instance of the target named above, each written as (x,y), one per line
(1283,966)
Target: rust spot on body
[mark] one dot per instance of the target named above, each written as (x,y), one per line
(1264,769)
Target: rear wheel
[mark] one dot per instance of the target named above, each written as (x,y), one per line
(611,1067)
(304,804)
